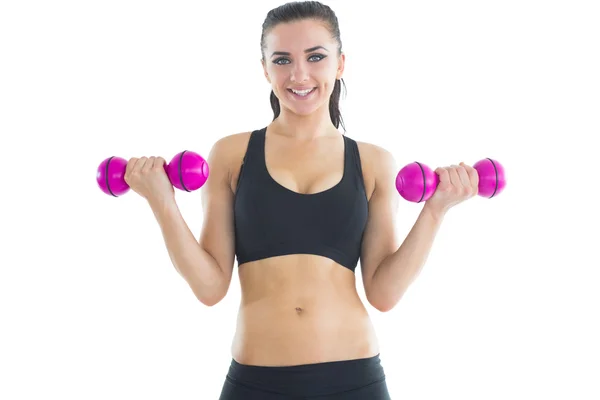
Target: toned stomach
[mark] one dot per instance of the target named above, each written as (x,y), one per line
(300,309)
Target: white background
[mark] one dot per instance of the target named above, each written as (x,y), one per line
(506,306)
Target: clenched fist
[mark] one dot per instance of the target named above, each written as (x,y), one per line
(457,184)
(147,177)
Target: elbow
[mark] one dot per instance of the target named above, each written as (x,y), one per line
(383,304)
(211,291)
(209,297)
(384,309)
(209,300)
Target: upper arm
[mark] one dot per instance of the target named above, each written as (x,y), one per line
(217,236)
(380,239)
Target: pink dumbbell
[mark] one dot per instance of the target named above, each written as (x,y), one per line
(417,182)
(187,171)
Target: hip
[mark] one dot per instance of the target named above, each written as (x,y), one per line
(353,379)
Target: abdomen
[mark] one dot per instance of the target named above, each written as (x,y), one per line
(300,309)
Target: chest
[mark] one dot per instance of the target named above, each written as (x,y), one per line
(306,168)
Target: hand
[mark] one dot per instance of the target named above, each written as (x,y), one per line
(457,184)
(147,177)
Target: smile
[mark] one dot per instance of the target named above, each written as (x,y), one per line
(302,93)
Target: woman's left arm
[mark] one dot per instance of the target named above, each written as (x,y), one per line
(388,269)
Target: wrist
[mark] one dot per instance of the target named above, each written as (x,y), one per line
(434,212)
(162,205)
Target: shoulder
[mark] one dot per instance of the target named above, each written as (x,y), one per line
(375,155)
(227,155)
(378,164)
(229,146)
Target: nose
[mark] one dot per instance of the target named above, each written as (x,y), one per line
(299,73)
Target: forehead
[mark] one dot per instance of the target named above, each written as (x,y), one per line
(297,36)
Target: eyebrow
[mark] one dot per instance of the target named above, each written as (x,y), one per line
(285,53)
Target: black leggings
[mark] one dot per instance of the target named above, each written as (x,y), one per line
(361,379)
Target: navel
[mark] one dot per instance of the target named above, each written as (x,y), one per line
(299,310)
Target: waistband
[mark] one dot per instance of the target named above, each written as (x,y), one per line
(309,379)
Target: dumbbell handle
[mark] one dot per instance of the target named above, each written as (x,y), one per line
(417,182)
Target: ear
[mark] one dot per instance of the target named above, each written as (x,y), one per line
(264,65)
(341,64)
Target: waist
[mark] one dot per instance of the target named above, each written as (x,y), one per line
(301,313)
(317,379)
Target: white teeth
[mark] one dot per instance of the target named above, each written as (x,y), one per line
(302,92)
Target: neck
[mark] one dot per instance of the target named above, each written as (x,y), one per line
(305,127)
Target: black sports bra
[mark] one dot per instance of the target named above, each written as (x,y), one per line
(272,220)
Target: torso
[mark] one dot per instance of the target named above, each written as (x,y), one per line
(301,309)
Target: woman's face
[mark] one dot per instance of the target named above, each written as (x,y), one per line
(301,63)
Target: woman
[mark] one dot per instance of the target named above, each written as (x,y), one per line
(299,204)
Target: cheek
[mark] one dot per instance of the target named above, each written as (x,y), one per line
(327,73)
(279,76)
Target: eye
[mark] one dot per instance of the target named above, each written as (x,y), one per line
(316,57)
(281,61)
(285,60)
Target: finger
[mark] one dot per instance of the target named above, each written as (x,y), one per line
(464,175)
(130,165)
(473,177)
(443,175)
(149,165)
(454,177)
(139,165)
(159,163)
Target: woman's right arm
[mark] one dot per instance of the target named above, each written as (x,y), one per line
(206,264)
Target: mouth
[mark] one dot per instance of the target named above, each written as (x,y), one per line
(302,93)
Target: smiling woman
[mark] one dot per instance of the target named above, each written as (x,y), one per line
(300,210)
(298,204)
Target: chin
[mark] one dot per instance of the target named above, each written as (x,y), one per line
(304,111)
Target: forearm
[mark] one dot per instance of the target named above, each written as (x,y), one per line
(396,272)
(194,264)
